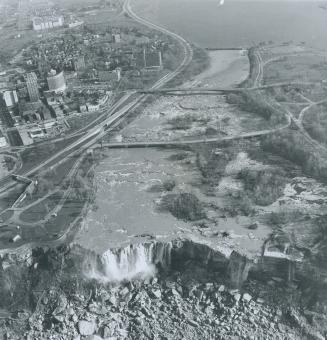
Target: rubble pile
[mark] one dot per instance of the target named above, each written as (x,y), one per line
(173,307)
(193,299)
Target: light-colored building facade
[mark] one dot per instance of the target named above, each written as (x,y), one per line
(10,98)
(46,23)
(56,81)
(32,86)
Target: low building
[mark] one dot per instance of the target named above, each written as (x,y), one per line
(96,104)
(79,63)
(75,24)
(152,60)
(37,133)
(33,111)
(3,141)
(93,107)
(53,99)
(116,38)
(46,23)
(11,98)
(43,67)
(109,76)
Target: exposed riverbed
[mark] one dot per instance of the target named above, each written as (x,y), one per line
(126,208)
(125,202)
(228,68)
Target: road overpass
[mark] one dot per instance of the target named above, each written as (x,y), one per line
(192,91)
(215,91)
(202,140)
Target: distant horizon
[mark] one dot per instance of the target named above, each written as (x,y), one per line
(226,1)
(246,22)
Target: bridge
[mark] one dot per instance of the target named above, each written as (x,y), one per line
(215,91)
(177,143)
(192,91)
(226,48)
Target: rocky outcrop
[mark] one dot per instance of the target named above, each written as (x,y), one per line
(238,269)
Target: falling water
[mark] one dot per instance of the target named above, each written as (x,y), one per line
(134,261)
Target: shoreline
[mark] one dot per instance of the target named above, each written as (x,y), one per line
(227,68)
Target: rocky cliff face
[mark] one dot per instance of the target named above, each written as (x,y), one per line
(154,290)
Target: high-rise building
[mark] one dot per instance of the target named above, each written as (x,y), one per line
(56,81)
(32,86)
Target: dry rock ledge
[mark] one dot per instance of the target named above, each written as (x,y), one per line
(200,295)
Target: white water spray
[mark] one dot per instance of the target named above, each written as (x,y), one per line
(135,261)
(221,2)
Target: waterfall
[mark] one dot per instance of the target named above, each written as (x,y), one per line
(132,262)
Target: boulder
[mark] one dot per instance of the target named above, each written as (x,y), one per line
(97,308)
(113,300)
(209,286)
(59,318)
(247,297)
(60,305)
(108,331)
(86,327)
(155,293)
(154,281)
(253,226)
(128,297)
(193,323)
(221,288)
(124,291)
(237,297)
(174,292)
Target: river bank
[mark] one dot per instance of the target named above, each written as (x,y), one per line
(228,68)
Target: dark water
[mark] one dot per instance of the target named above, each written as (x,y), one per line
(243,23)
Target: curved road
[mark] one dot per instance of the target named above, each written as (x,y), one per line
(187,49)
